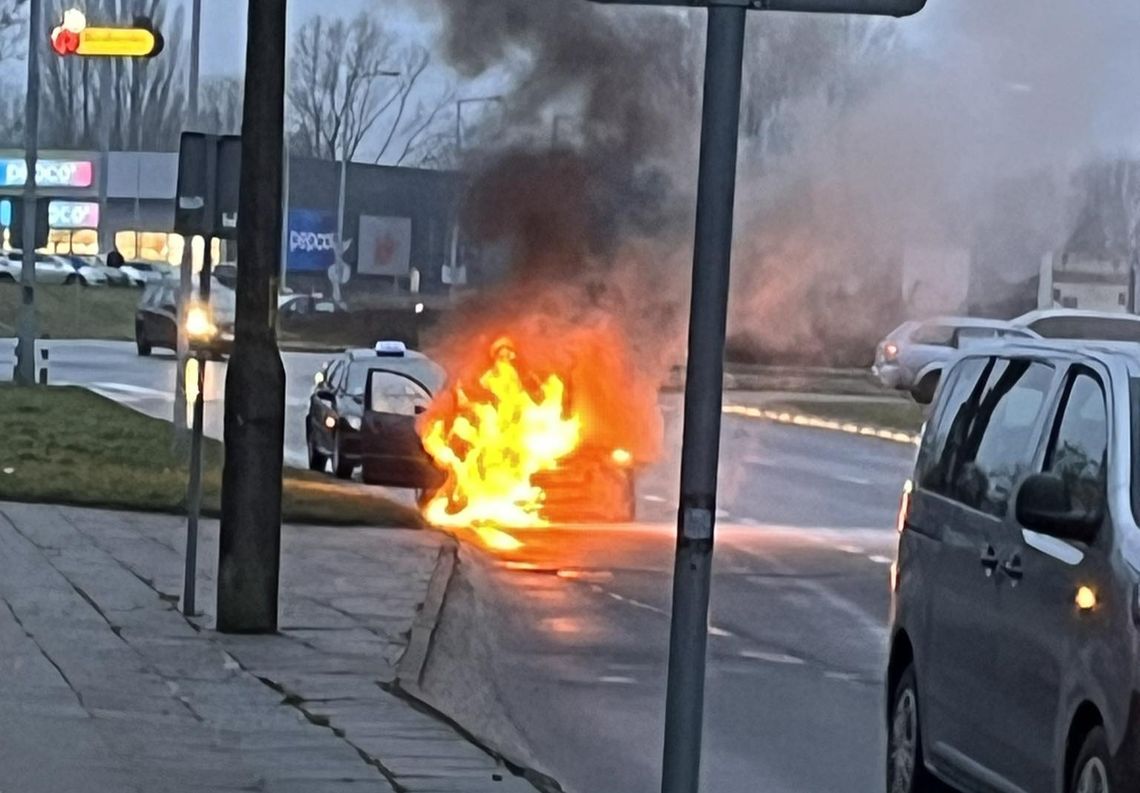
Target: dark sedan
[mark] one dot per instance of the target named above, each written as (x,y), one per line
(362,412)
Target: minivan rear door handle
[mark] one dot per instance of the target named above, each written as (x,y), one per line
(1012,567)
(989,560)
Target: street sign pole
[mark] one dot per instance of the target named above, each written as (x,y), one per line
(716,194)
(25,373)
(249,546)
(194,492)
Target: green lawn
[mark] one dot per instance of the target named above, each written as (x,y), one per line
(74,312)
(70,446)
(901,415)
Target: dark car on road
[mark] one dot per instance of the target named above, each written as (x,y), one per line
(1015,648)
(156,318)
(362,412)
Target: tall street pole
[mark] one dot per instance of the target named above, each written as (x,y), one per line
(716,195)
(186,267)
(25,373)
(249,546)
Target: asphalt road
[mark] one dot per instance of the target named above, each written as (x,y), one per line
(569,634)
(557,651)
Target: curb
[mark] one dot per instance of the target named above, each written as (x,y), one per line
(410,668)
(804,420)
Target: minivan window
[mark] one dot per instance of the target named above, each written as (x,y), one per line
(998,447)
(961,383)
(1078,449)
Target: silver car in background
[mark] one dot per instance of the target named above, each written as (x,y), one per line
(1070,323)
(912,356)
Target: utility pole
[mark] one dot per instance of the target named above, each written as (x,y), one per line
(25,373)
(712,253)
(249,545)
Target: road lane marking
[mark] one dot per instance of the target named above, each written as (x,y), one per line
(880,559)
(801,420)
(852,549)
(653,499)
(772,658)
(617,680)
(721,632)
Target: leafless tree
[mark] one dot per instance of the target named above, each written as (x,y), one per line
(220,105)
(350,82)
(126,103)
(1107,195)
(13,28)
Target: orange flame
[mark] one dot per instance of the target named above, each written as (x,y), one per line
(495,442)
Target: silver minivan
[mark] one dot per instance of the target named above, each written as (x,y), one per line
(1015,652)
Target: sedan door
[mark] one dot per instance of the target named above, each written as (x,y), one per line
(322,407)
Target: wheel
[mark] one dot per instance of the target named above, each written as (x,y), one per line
(923,393)
(142,343)
(7,278)
(70,280)
(906,769)
(317,461)
(341,467)
(1092,773)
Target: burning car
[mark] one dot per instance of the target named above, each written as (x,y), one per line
(523,447)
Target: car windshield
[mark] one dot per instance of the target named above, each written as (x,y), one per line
(423,370)
(1123,328)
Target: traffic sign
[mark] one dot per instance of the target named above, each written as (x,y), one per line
(73,36)
(209,183)
(893,8)
(340,272)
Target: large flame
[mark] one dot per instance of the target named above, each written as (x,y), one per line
(498,437)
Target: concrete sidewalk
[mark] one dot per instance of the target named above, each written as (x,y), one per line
(106,688)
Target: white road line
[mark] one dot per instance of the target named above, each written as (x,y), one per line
(771,658)
(653,499)
(853,480)
(852,549)
(721,632)
(880,559)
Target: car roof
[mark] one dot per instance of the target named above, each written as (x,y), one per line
(1123,352)
(368,354)
(967,322)
(1049,313)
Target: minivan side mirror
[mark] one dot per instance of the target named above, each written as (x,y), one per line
(1045,504)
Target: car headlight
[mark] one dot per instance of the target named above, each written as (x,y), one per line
(352,421)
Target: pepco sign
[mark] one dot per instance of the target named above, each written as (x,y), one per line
(49,173)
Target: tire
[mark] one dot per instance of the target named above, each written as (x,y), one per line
(70,280)
(142,343)
(1093,770)
(342,468)
(317,461)
(923,393)
(906,768)
(7,278)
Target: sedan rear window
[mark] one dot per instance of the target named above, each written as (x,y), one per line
(1124,328)
(937,335)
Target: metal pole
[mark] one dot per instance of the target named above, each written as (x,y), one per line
(195,51)
(340,227)
(284,217)
(716,192)
(458,126)
(194,494)
(25,373)
(249,543)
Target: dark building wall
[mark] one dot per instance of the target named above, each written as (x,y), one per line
(427,197)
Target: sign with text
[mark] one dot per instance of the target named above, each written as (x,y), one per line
(312,240)
(385,246)
(49,173)
(61,214)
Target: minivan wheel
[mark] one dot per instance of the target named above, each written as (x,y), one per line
(141,343)
(906,770)
(1092,771)
(317,461)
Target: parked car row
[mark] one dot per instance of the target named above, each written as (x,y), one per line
(912,357)
(82,270)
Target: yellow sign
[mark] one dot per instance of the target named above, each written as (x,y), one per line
(74,37)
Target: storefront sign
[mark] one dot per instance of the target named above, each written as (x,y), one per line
(312,240)
(61,214)
(385,245)
(49,173)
